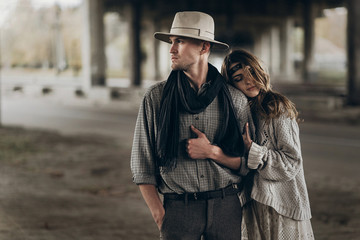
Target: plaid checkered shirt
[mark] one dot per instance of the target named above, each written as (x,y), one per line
(190,175)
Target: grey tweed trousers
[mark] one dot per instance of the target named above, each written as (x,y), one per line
(213,219)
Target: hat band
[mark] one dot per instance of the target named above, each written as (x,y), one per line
(192,31)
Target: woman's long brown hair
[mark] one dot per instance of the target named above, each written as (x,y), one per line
(269,104)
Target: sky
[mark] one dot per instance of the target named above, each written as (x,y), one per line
(6,6)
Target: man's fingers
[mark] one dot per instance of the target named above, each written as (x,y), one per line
(187,145)
(196,131)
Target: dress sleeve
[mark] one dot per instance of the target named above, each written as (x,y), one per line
(142,162)
(283,162)
(242,109)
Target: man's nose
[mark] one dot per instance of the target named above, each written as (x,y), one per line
(172,48)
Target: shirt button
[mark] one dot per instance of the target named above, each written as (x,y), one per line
(197,118)
(202,176)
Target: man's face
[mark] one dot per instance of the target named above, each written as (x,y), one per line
(185,52)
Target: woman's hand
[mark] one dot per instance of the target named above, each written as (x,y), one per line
(200,147)
(247,138)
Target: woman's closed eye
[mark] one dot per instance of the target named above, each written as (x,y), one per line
(238,78)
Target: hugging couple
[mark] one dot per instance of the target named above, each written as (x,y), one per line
(217,156)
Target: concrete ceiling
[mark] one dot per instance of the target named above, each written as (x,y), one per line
(230,8)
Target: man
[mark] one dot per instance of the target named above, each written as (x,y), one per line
(200,196)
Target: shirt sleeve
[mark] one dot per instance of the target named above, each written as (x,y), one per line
(143,165)
(284,161)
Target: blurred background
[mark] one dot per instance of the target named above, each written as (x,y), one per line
(72,76)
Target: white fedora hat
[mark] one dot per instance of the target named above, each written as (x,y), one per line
(195,25)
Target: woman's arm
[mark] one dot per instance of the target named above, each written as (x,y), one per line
(201,148)
(283,161)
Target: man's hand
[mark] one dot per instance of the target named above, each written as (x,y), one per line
(158,216)
(200,147)
(247,138)
(152,199)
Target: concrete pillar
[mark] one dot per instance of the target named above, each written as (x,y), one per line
(151,65)
(164,59)
(59,49)
(274,67)
(135,47)
(287,48)
(156,43)
(309,68)
(353,52)
(262,47)
(164,62)
(93,54)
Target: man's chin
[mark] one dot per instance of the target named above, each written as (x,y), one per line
(175,67)
(178,68)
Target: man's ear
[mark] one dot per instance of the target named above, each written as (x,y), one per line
(205,47)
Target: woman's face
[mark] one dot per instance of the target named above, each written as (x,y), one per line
(244,82)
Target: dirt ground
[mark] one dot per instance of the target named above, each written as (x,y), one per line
(80,187)
(57,187)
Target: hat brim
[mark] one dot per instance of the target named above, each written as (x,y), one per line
(165,37)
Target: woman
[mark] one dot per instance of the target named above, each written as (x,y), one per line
(279,206)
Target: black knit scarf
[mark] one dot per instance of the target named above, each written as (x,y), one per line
(179,96)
